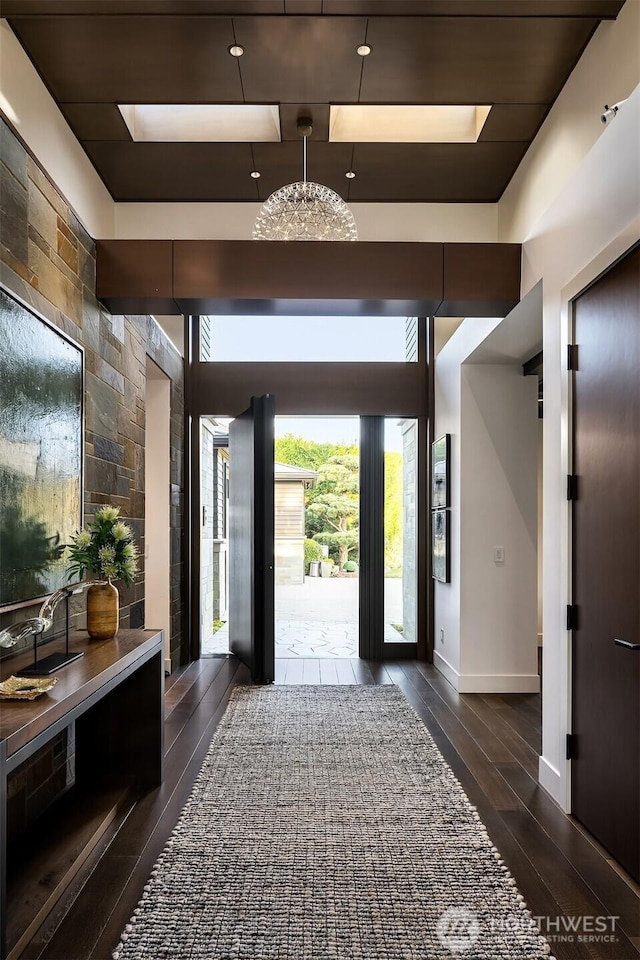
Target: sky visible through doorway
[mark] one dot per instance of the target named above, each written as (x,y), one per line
(343,430)
(300,339)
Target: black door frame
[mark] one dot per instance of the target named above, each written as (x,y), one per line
(410,390)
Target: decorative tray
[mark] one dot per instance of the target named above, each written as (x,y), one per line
(25,688)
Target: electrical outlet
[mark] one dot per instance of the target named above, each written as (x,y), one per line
(498,554)
(441,634)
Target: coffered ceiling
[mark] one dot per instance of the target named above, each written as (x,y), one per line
(514,55)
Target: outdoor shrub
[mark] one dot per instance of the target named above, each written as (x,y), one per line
(312,551)
(350,566)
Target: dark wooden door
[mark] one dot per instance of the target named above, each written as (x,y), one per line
(606,558)
(251,549)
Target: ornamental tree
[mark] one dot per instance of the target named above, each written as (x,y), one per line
(332,511)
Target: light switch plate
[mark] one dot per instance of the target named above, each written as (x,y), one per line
(498,554)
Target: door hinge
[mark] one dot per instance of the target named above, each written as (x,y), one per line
(571,746)
(572,356)
(572,486)
(572,616)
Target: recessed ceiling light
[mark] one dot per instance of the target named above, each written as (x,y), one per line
(363,50)
(255,174)
(236,50)
(350,175)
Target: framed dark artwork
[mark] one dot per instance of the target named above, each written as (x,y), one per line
(41,391)
(440,472)
(440,555)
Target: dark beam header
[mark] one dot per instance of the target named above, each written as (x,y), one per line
(260,277)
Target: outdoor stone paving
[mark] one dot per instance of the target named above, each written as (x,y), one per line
(319,619)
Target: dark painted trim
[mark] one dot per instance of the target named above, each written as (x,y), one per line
(426,450)
(533,366)
(422,505)
(371,580)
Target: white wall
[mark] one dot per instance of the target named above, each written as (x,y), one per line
(157,505)
(448,417)
(411,222)
(608,71)
(540,529)
(575,202)
(30,108)
(488,611)
(499,499)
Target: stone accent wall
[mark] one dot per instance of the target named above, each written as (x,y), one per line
(47,259)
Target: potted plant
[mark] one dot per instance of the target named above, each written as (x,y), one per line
(326,566)
(105,548)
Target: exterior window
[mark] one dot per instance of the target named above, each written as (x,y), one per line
(306,339)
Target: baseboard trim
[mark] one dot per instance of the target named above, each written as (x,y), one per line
(445,668)
(167,665)
(487,683)
(551,780)
(499,683)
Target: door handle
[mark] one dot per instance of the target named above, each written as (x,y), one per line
(627,644)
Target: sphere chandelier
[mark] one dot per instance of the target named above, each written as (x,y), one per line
(305,210)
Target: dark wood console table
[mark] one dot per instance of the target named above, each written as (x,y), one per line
(114,695)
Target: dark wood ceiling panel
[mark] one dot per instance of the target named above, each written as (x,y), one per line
(514,121)
(281,163)
(319,113)
(133,59)
(174,171)
(301,54)
(433,171)
(473,60)
(231,8)
(307,8)
(95,121)
(222,269)
(292,59)
(602,9)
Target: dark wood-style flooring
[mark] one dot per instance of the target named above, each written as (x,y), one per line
(491,743)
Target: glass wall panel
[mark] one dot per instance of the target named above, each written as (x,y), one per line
(303,339)
(400,530)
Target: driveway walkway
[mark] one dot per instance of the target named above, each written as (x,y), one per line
(320,619)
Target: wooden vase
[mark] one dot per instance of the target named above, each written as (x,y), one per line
(103,611)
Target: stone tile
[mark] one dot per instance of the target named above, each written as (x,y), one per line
(65,269)
(87,268)
(108,450)
(100,475)
(90,321)
(13,154)
(46,187)
(117,327)
(78,230)
(53,284)
(67,246)
(101,403)
(42,216)
(13,217)
(105,372)
(39,241)
(13,271)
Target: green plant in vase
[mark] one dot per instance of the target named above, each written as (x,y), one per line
(106,550)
